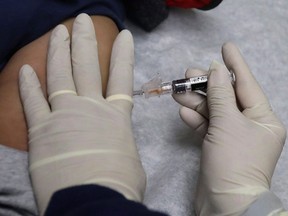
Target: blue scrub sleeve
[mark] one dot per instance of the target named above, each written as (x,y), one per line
(91,200)
(26,20)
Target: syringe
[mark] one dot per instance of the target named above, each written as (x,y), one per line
(155,87)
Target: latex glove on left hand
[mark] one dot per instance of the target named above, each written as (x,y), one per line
(80,137)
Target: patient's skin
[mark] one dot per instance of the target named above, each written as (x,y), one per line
(13,131)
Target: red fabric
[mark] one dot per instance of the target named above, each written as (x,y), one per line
(188,3)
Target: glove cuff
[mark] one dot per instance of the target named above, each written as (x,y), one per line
(266,204)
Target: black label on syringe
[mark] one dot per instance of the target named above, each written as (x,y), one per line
(190,84)
(179,86)
(199,87)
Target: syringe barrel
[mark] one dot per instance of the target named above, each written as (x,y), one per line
(190,84)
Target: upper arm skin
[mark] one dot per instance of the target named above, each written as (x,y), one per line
(13,130)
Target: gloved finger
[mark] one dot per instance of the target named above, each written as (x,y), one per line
(249,93)
(193,100)
(86,69)
(194,120)
(120,84)
(220,93)
(34,103)
(59,71)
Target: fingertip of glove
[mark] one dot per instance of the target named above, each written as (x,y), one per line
(25,72)
(231,54)
(186,115)
(83,18)
(83,23)
(218,74)
(27,77)
(126,36)
(60,32)
(183,110)
(230,47)
(127,33)
(215,65)
(124,46)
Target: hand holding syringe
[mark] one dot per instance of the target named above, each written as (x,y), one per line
(156,87)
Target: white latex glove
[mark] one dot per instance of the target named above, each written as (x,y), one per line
(79,137)
(242,137)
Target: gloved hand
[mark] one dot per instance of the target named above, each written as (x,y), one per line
(242,137)
(80,137)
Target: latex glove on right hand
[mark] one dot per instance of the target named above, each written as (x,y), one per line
(79,137)
(242,139)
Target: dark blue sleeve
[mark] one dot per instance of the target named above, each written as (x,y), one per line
(91,200)
(26,20)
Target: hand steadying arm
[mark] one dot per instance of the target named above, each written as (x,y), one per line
(80,137)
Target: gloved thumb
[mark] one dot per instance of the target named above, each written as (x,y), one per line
(220,93)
